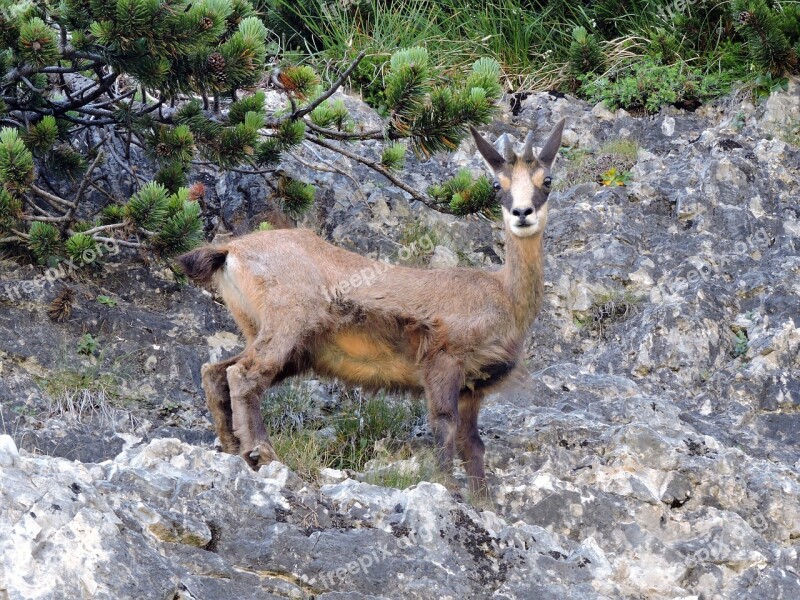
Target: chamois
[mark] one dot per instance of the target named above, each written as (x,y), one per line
(452,334)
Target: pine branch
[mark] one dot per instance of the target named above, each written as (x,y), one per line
(378,167)
(372,134)
(124,243)
(70,216)
(54,200)
(99,228)
(44,219)
(298,114)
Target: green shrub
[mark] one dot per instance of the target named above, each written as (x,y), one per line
(465,195)
(647,85)
(81,248)
(44,241)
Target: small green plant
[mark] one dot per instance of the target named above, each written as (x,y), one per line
(107,301)
(87,344)
(333,115)
(742,343)
(265,226)
(45,242)
(764,85)
(394,156)
(81,248)
(612,177)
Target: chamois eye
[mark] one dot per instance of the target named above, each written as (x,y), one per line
(548,181)
(496,185)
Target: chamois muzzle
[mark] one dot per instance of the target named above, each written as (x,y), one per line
(522,216)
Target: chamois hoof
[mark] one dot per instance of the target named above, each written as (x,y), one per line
(262,454)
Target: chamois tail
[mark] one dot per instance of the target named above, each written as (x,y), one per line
(201,263)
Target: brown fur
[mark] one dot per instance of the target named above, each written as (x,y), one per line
(452,334)
(200,264)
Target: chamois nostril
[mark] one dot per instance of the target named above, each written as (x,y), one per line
(521,213)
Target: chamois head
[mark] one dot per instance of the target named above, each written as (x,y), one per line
(522,180)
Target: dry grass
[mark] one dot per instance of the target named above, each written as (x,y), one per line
(90,406)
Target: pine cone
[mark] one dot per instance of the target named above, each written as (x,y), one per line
(61,308)
(744,17)
(216,64)
(162,149)
(206,23)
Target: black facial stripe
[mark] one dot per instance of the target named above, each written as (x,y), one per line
(505,199)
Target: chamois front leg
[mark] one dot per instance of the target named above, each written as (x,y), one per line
(442,385)
(469,443)
(248,378)
(218,399)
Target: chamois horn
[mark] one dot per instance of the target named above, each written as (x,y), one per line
(506,148)
(527,150)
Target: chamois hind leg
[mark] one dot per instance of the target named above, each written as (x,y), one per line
(248,378)
(469,443)
(218,399)
(442,384)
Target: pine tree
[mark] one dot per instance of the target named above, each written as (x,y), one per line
(585,55)
(770,35)
(177,79)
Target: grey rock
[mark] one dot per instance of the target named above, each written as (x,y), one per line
(647,448)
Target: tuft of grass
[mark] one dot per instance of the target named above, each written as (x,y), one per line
(365,423)
(58,383)
(607,308)
(360,430)
(582,165)
(791,134)
(304,452)
(623,148)
(402,474)
(290,409)
(94,406)
(417,242)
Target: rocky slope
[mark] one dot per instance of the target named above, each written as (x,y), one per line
(649,449)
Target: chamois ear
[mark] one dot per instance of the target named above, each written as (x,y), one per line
(548,154)
(492,157)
